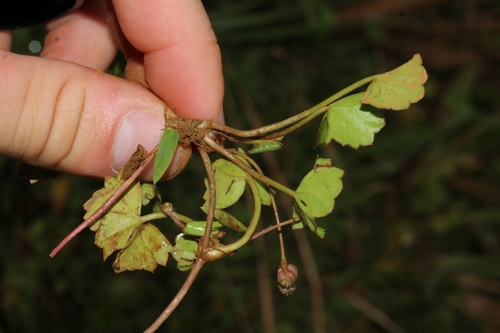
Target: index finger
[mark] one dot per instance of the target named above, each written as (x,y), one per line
(181,56)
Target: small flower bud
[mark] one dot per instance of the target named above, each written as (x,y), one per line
(286,279)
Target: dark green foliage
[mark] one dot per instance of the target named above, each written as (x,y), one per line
(415,231)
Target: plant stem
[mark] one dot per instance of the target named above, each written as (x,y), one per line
(178,298)
(211,201)
(280,236)
(247,169)
(262,130)
(274,227)
(106,205)
(168,210)
(153,216)
(298,120)
(295,126)
(226,249)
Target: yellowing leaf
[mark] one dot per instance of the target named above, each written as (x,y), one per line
(111,184)
(149,248)
(115,231)
(397,89)
(349,122)
(141,245)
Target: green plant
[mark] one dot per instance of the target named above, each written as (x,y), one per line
(115,211)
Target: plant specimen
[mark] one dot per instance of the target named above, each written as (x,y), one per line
(115,212)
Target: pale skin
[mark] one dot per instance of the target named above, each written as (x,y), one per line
(66,115)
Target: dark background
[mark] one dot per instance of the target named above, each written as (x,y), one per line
(413,242)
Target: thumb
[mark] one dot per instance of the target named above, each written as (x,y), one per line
(62,116)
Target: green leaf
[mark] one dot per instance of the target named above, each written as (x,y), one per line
(349,122)
(306,219)
(166,149)
(397,89)
(184,252)
(315,196)
(226,219)
(148,249)
(265,196)
(197,228)
(265,146)
(229,183)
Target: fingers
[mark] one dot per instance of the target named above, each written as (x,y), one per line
(66,117)
(83,37)
(181,55)
(5,39)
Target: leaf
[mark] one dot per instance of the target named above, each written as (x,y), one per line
(315,196)
(166,149)
(197,228)
(184,252)
(229,183)
(148,249)
(397,89)
(265,195)
(111,184)
(114,230)
(226,219)
(142,246)
(265,146)
(149,192)
(349,122)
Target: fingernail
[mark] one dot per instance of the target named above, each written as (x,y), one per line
(139,127)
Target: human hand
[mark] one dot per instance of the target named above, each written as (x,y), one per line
(70,117)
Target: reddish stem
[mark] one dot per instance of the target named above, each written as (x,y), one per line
(112,199)
(178,298)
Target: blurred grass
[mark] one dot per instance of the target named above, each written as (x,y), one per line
(414,237)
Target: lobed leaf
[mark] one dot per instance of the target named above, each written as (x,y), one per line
(166,149)
(142,246)
(115,232)
(148,249)
(315,196)
(99,197)
(349,122)
(397,89)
